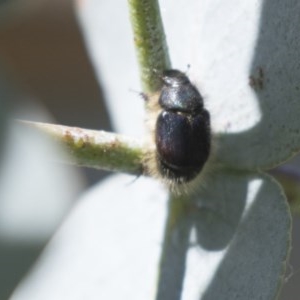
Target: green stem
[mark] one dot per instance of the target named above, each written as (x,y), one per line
(96,149)
(150,42)
(153,58)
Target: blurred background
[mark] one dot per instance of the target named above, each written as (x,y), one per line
(42,48)
(45,75)
(43,54)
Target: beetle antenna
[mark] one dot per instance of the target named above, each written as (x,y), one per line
(141,94)
(187,69)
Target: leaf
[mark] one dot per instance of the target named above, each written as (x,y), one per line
(244,58)
(223,247)
(34,197)
(112,237)
(113,56)
(237,248)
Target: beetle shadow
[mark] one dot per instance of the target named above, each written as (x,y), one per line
(274,76)
(251,254)
(275,79)
(212,222)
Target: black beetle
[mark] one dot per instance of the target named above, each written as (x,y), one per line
(182,132)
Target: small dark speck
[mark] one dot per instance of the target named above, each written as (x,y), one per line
(256,81)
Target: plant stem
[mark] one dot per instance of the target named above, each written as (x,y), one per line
(96,149)
(150,42)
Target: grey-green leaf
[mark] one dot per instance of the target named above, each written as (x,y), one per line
(246,61)
(232,243)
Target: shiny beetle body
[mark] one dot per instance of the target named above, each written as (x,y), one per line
(182,131)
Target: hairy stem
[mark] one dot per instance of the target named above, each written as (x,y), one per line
(96,149)
(150,42)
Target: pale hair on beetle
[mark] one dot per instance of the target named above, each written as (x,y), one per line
(180,146)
